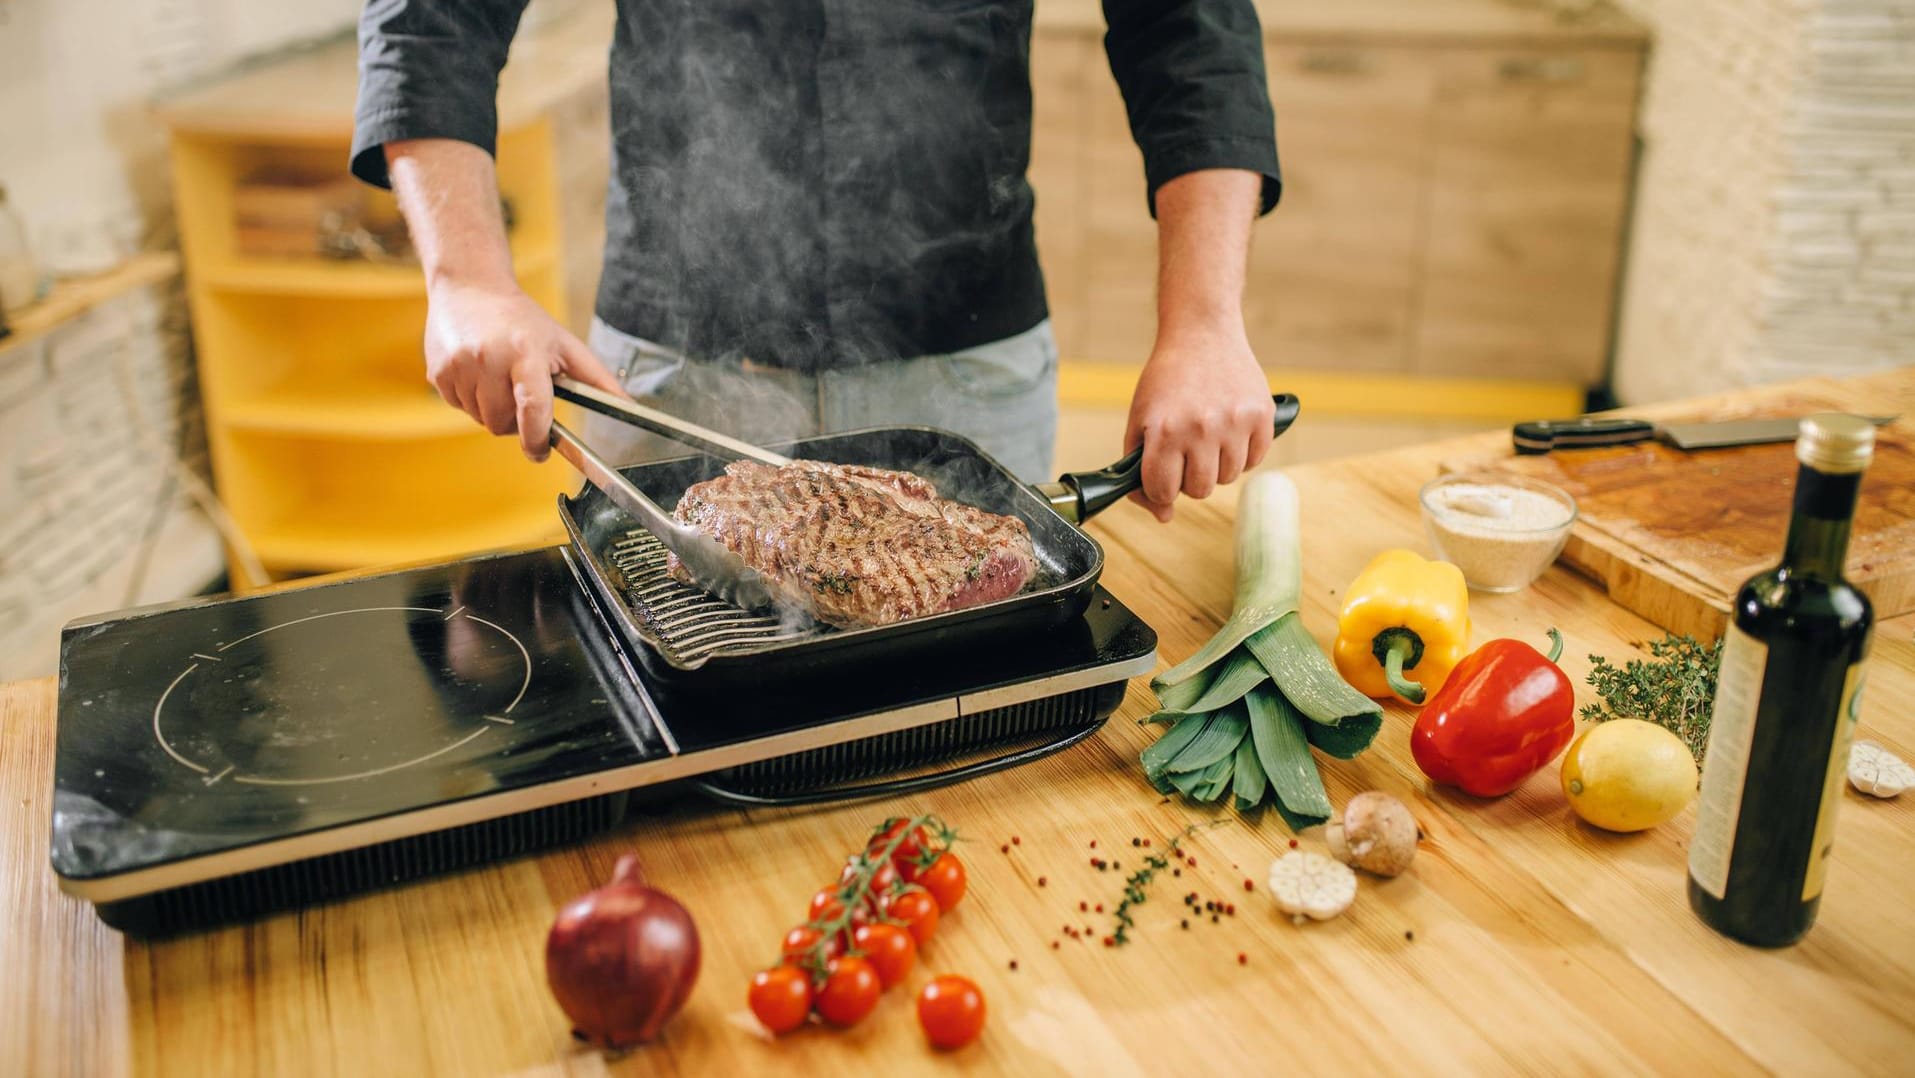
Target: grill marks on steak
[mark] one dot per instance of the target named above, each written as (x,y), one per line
(856,546)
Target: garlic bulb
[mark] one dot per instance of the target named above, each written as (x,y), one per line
(1878,772)
(1311,885)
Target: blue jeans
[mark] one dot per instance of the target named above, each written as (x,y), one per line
(1001,395)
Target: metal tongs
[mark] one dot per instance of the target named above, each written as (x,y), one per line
(722,572)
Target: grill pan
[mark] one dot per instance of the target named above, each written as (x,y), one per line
(678,632)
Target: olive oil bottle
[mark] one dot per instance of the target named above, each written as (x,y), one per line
(1785,709)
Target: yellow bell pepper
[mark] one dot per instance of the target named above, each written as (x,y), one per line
(1405,624)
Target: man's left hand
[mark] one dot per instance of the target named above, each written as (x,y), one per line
(1203,413)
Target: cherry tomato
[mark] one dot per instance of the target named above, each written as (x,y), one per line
(884,879)
(909,851)
(945,879)
(951,1011)
(781,998)
(919,912)
(851,990)
(826,905)
(890,950)
(801,942)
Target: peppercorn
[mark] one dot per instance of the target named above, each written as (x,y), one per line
(1093,844)
(1213,918)
(1042,880)
(1136,842)
(1230,909)
(1015,841)
(1100,907)
(1183,924)
(1004,849)
(1110,941)
(1176,872)
(1242,960)
(1293,844)
(1248,886)
(1014,965)
(1054,945)
(1409,934)
(1083,907)
(1146,842)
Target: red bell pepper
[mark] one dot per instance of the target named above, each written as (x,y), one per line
(1500,717)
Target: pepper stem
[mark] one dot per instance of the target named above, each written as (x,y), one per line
(1555,646)
(1400,649)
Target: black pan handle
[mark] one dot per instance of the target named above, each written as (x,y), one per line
(894,787)
(1093,492)
(1540,436)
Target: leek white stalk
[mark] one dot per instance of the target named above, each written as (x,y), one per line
(1269,571)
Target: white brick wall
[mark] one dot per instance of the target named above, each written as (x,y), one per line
(92,418)
(1774,234)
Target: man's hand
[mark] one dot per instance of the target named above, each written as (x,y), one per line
(490,349)
(492,352)
(1202,408)
(1203,412)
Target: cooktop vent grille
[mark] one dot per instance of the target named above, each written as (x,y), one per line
(335,875)
(901,753)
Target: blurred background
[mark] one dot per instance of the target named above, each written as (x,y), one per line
(1494,210)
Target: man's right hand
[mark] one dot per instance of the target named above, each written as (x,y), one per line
(492,352)
(490,348)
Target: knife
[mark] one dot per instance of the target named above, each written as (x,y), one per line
(1588,432)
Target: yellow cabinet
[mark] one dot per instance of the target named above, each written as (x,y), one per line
(329,448)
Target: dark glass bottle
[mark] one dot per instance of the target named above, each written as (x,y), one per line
(1785,709)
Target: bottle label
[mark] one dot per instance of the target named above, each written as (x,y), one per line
(1725,765)
(1832,784)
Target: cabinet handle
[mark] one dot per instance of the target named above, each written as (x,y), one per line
(1541,69)
(1337,62)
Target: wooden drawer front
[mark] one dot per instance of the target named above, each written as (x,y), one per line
(1333,270)
(1528,185)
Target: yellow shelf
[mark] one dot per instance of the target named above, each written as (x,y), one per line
(381,413)
(327,546)
(345,280)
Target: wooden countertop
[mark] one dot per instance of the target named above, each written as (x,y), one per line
(1521,940)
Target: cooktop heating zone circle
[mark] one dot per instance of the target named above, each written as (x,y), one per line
(344,695)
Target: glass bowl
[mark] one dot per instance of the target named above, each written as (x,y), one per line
(1501,531)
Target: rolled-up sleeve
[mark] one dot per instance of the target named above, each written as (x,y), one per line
(429,69)
(1192,76)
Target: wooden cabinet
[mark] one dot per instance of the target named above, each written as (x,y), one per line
(1456,176)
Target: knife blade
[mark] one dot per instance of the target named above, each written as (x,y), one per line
(1588,432)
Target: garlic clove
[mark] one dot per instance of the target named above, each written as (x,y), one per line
(1311,885)
(1875,771)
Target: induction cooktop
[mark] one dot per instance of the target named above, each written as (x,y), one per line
(259,752)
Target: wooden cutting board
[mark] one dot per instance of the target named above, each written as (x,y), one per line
(1672,535)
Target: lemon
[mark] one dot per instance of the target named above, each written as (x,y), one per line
(1628,775)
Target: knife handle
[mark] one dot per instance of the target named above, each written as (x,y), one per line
(1543,435)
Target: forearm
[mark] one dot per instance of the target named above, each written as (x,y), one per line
(448,191)
(1203,245)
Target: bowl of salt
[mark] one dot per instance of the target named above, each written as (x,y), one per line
(1501,531)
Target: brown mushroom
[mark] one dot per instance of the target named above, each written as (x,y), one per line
(1376,833)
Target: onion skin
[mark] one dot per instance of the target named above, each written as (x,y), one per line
(621,960)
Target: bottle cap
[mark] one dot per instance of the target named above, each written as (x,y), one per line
(1835,444)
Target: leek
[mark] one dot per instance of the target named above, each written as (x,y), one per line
(1269,571)
(1246,710)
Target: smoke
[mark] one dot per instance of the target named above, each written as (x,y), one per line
(809,189)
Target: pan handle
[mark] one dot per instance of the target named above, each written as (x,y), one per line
(1089,493)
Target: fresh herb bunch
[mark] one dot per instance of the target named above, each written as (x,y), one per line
(1674,688)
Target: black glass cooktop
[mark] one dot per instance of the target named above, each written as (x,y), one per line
(221,728)
(187,730)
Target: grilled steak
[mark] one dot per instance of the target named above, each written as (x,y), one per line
(855,546)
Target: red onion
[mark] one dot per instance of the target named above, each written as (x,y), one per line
(622,960)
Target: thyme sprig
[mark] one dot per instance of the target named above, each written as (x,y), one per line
(1674,688)
(1134,893)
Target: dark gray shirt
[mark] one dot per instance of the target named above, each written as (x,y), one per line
(821,183)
